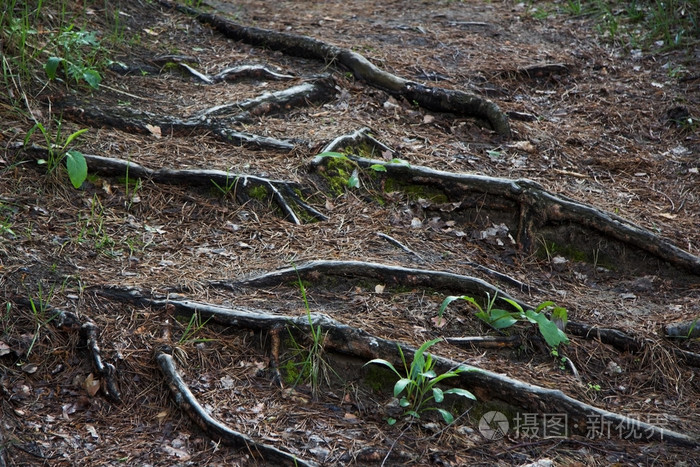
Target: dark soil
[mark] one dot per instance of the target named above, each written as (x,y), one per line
(599,125)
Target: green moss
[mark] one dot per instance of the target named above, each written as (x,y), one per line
(364,149)
(337,172)
(258,192)
(415,191)
(293,372)
(379,379)
(566,251)
(572,253)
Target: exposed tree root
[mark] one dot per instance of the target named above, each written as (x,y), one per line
(132,121)
(358,343)
(383,273)
(397,243)
(529,210)
(544,70)
(280,191)
(451,283)
(69,322)
(317,91)
(684,330)
(487,342)
(106,371)
(215,429)
(432,98)
(231,74)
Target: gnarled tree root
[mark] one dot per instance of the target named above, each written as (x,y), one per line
(431,98)
(281,192)
(215,429)
(106,371)
(532,211)
(311,92)
(231,74)
(486,385)
(216,120)
(69,322)
(145,122)
(387,274)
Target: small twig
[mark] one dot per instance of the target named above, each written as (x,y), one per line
(400,245)
(488,342)
(403,432)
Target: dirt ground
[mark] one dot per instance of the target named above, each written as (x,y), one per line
(604,126)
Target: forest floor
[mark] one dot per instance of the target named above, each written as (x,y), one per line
(592,119)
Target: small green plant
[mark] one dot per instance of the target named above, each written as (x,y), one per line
(562,359)
(418,387)
(497,318)
(692,328)
(6,226)
(352,180)
(228,186)
(574,7)
(501,319)
(307,362)
(79,52)
(57,149)
(594,387)
(40,313)
(194,325)
(131,188)
(92,228)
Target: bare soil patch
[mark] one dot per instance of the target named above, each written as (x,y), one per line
(589,124)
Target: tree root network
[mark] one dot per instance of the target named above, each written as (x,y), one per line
(355,342)
(431,98)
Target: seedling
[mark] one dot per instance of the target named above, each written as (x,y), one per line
(228,186)
(39,307)
(311,365)
(551,330)
(76,165)
(419,385)
(193,327)
(77,64)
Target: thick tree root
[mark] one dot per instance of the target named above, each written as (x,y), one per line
(486,385)
(186,401)
(431,98)
(383,273)
(132,121)
(450,283)
(281,192)
(529,210)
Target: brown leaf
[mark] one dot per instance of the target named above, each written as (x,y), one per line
(92,385)
(439,321)
(154,130)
